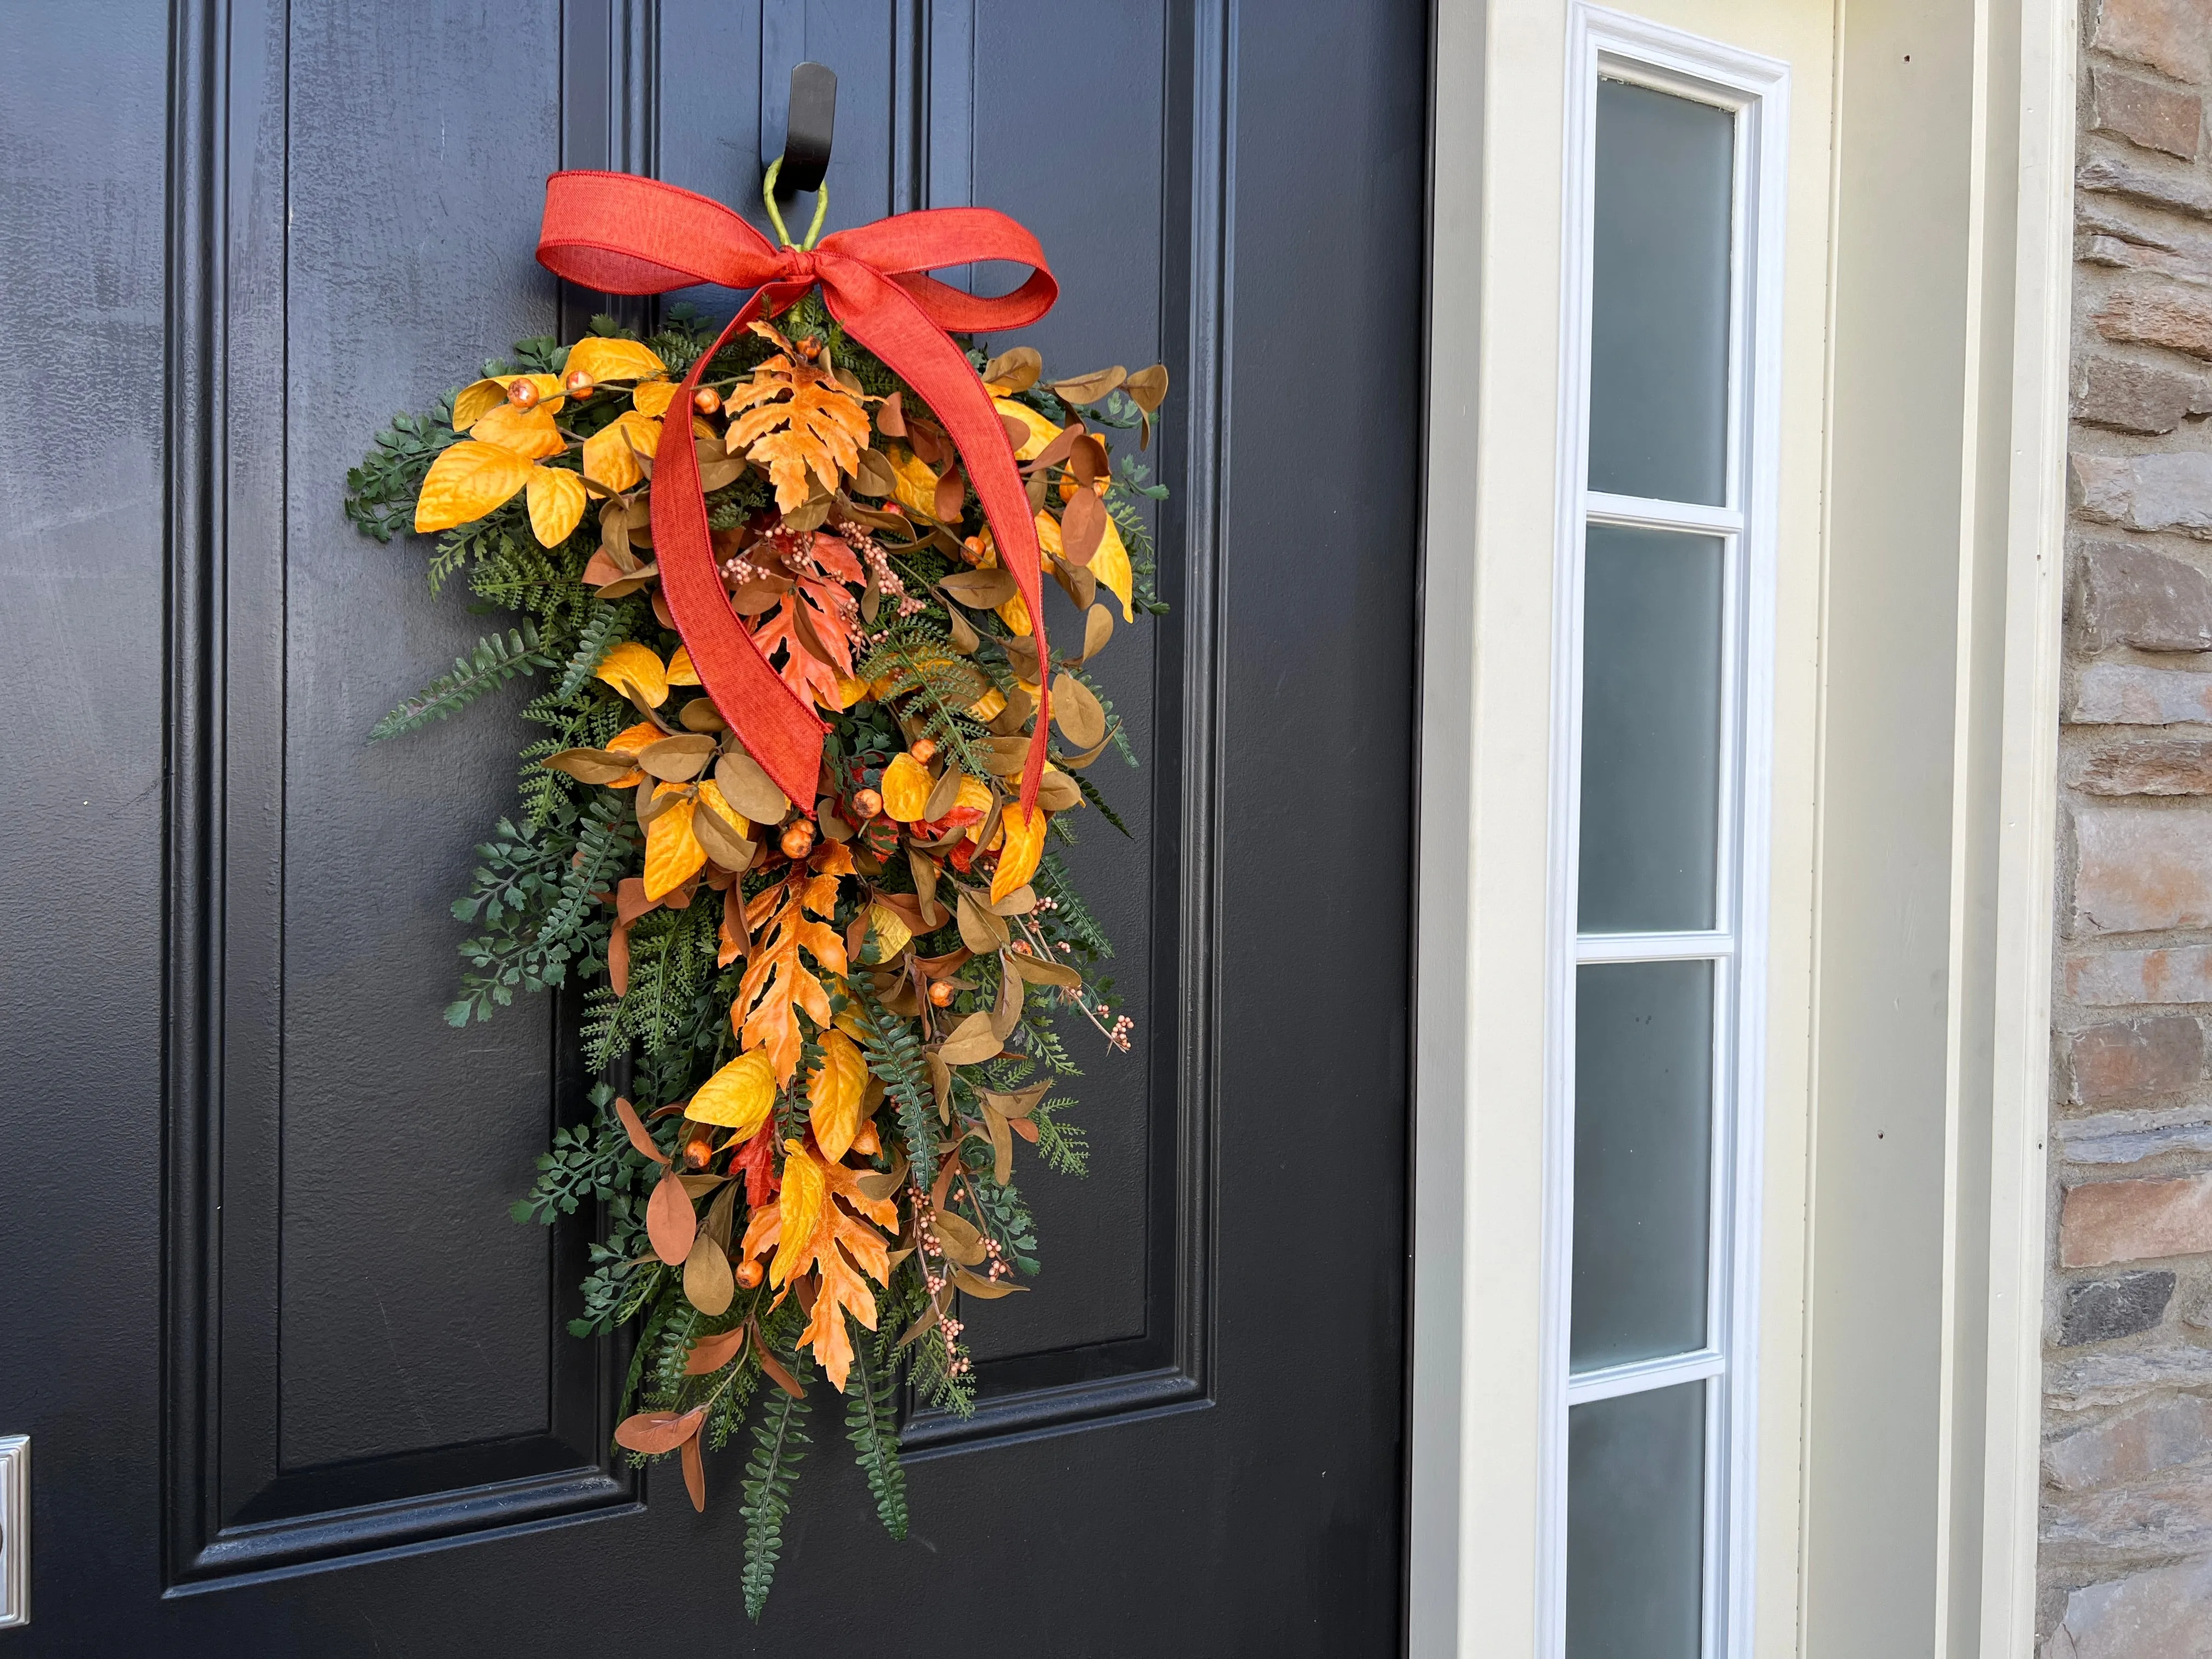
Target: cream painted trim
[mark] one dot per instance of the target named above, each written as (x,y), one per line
(2035,523)
(1477,1388)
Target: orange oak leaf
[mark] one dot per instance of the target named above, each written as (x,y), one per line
(778,979)
(795,419)
(839,1247)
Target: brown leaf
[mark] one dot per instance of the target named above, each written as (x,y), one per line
(694,1473)
(920,1328)
(711,1353)
(700,714)
(981,589)
(1002,1145)
(1022,655)
(723,843)
(963,1243)
(1082,527)
(1019,902)
(873,476)
(965,639)
(1003,756)
(747,787)
(1094,387)
(1019,1102)
(940,1085)
(652,1432)
(1075,709)
(1078,761)
(634,1127)
(708,1285)
(973,1039)
(989,1289)
(685,756)
(925,889)
(1076,581)
(1009,721)
(951,493)
(980,931)
(1013,371)
(1097,628)
(669,1220)
(1148,388)
(1038,971)
(879,1184)
(591,765)
(1058,793)
(778,1373)
(890,417)
(1007,1012)
(944,795)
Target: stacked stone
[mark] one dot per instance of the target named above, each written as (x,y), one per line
(2127,1514)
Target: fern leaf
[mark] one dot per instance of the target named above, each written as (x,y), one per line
(607,626)
(497,658)
(779,1440)
(871,1425)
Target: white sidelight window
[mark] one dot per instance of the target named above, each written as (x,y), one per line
(1662,716)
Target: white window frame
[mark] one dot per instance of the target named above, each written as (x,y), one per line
(1607,44)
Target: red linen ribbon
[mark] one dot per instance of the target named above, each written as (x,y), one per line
(619,234)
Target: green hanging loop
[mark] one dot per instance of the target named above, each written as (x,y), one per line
(776,218)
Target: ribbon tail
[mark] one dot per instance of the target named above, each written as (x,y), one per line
(883,317)
(777,729)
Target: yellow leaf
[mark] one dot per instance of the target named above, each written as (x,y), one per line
(738,1096)
(653,397)
(466,482)
(914,483)
(989,705)
(1041,431)
(1023,850)
(834,1095)
(557,504)
(1110,564)
(680,671)
(906,784)
(975,792)
(850,690)
(631,738)
(633,670)
(672,854)
(603,359)
(849,1024)
(892,935)
(478,399)
(525,431)
(610,455)
(804,1192)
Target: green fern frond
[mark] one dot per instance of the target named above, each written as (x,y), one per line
(872,1424)
(497,658)
(779,1442)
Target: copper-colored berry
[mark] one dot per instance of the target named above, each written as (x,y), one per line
(925,750)
(698,1151)
(749,1273)
(706,400)
(522,393)
(941,993)
(867,802)
(579,384)
(867,1143)
(799,839)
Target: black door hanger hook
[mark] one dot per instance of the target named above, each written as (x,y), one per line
(808,130)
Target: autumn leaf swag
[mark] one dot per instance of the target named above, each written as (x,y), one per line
(828,1031)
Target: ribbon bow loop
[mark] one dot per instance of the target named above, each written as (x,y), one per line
(619,234)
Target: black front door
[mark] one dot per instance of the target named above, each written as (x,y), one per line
(296,1382)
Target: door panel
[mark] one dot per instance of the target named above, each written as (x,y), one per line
(297,1383)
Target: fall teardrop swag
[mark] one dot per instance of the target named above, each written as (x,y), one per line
(838,1014)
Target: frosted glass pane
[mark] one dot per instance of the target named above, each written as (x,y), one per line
(1643,1087)
(1651,730)
(1635,1525)
(1659,301)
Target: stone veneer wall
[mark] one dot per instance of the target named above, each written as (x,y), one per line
(2126,1553)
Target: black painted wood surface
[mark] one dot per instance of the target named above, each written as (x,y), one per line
(296,1383)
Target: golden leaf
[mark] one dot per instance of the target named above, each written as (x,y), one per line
(604,359)
(631,738)
(467,480)
(1023,850)
(906,788)
(610,455)
(914,483)
(707,1285)
(738,1096)
(805,1192)
(778,981)
(672,854)
(479,398)
(710,794)
(680,671)
(525,431)
(834,1095)
(892,935)
(1110,564)
(653,397)
(557,504)
(633,670)
(1041,431)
